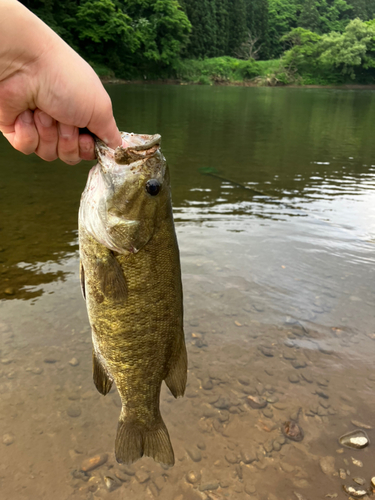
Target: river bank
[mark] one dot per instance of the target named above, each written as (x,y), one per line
(249,83)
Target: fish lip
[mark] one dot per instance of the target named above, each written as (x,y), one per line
(134,148)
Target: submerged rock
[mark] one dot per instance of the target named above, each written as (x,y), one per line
(256,402)
(357,439)
(355,492)
(292,430)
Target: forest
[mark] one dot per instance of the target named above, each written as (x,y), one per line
(268,42)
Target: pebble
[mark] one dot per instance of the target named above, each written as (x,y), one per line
(250,488)
(268,446)
(244,380)
(111,483)
(359,480)
(342,474)
(201,445)
(74,362)
(207,384)
(294,378)
(222,403)
(322,394)
(209,486)
(194,454)
(327,464)
(94,462)
(356,462)
(373,482)
(50,360)
(306,376)
(272,399)
(74,411)
(121,476)
(292,430)
(276,446)
(127,470)
(142,476)
(357,439)
(6,361)
(256,402)
(361,425)
(8,439)
(10,291)
(232,458)
(266,351)
(286,467)
(193,477)
(37,370)
(355,492)
(267,412)
(298,364)
(248,456)
(323,382)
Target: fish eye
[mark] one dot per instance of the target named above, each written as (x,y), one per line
(153,187)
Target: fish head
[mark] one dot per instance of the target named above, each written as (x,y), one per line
(127,193)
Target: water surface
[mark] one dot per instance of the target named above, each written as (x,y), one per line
(274,202)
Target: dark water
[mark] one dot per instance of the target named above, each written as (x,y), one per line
(274,199)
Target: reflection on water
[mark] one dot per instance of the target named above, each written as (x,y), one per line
(274,198)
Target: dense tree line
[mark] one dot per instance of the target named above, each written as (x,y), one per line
(149,37)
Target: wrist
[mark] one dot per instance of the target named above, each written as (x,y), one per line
(24,38)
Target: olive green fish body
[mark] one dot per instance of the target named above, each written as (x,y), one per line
(134,302)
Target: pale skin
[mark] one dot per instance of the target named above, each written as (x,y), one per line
(48,92)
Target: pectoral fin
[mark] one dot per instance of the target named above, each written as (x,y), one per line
(177,375)
(103,382)
(111,277)
(82,279)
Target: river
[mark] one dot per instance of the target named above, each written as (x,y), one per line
(274,202)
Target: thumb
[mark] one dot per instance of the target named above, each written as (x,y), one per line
(103,124)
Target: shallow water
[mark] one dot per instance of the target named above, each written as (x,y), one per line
(274,200)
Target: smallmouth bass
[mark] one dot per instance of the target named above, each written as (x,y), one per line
(131,281)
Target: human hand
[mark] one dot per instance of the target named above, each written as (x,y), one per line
(48,92)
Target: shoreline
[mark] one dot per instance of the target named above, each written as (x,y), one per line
(171,81)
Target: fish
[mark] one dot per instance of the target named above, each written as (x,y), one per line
(131,281)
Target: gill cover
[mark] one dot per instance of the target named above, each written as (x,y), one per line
(125,193)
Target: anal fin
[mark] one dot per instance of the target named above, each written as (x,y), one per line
(103,382)
(177,375)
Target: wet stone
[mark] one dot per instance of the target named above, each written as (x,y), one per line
(256,402)
(373,482)
(194,454)
(292,430)
(122,476)
(94,462)
(111,483)
(6,361)
(37,370)
(307,377)
(142,476)
(322,394)
(201,445)
(74,411)
(266,351)
(223,416)
(79,474)
(193,477)
(10,291)
(361,425)
(268,413)
(294,378)
(127,470)
(50,360)
(327,464)
(298,363)
(354,492)
(357,439)
(272,399)
(232,457)
(209,486)
(276,446)
(8,439)
(250,488)
(74,362)
(222,403)
(244,380)
(359,480)
(248,456)
(207,384)
(342,474)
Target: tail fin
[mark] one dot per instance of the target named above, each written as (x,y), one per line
(134,439)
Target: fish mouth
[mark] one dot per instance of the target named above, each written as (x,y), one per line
(134,148)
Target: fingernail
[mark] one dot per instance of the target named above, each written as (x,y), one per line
(66,130)
(45,119)
(27,117)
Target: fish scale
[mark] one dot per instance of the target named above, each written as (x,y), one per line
(131,279)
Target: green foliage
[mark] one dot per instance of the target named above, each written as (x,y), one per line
(217,70)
